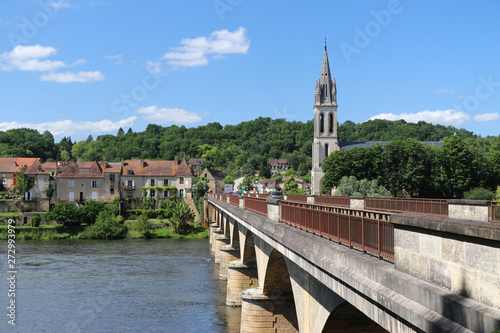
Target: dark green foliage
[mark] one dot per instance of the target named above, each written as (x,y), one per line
(408,167)
(367,188)
(35,221)
(92,209)
(148,203)
(25,142)
(64,213)
(480,193)
(152,213)
(181,216)
(199,189)
(107,226)
(49,193)
(143,226)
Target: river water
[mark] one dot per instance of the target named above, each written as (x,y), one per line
(116,286)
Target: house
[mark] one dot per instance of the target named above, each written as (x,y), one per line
(82,181)
(10,165)
(301,184)
(278,165)
(268,185)
(195,164)
(216,179)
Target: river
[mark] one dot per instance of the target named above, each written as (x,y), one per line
(116,286)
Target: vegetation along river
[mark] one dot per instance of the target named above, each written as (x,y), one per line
(116,286)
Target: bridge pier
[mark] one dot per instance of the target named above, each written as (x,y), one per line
(218,243)
(261,313)
(227,254)
(239,277)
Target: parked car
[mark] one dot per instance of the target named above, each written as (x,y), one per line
(276,195)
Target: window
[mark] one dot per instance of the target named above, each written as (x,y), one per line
(321,122)
(129,194)
(71,183)
(181,193)
(152,193)
(152,182)
(130,183)
(326,149)
(182,180)
(165,194)
(112,190)
(71,196)
(330,123)
(112,177)
(94,183)
(165,182)
(130,172)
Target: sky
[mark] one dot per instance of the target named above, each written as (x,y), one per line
(89,67)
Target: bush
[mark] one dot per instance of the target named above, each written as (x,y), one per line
(64,213)
(143,226)
(370,188)
(35,221)
(107,226)
(91,210)
(480,193)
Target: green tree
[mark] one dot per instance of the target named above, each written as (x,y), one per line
(91,210)
(181,216)
(247,183)
(108,226)
(228,180)
(120,132)
(64,212)
(480,193)
(350,186)
(49,193)
(291,186)
(24,183)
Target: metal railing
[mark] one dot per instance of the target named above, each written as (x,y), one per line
(258,205)
(437,207)
(296,197)
(495,211)
(335,200)
(368,231)
(234,200)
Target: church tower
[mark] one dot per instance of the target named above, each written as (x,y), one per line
(325,123)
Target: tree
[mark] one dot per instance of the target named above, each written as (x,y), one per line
(265,171)
(24,183)
(228,180)
(247,183)
(65,156)
(91,210)
(291,186)
(120,132)
(89,139)
(49,193)
(181,215)
(130,130)
(351,186)
(64,212)
(108,226)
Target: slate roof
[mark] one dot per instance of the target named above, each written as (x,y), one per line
(216,174)
(346,145)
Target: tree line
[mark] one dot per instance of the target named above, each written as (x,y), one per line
(236,149)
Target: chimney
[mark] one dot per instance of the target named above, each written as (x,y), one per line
(142,163)
(176,160)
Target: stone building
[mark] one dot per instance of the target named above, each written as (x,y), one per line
(10,165)
(79,182)
(216,179)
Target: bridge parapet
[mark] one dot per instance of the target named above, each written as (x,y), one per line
(462,256)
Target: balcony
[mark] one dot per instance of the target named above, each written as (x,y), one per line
(130,188)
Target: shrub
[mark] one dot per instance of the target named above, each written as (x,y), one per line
(64,212)
(480,193)
(107,226)
(35,221)
(351,186)
(91,210)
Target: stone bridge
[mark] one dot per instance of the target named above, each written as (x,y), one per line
(299,267)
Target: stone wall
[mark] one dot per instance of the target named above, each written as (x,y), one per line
(461,256)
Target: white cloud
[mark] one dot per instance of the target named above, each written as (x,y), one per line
(154,67)
(69,127)
(60,4)
(443,117)
(487,117)
(194,52)
(27,58)
(445,90)
(164,115)
(67,77)
(117,59)
(79,62)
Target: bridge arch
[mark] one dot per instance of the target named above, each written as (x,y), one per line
(347,318)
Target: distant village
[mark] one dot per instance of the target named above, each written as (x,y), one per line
(78,182)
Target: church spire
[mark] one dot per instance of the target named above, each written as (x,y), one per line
(326,85)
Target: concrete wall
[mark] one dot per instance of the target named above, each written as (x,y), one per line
(475,210)
(461,256)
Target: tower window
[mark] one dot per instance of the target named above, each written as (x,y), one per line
(326,150)
(321,122)
(330,122)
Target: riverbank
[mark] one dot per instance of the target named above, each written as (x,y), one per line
(55,232)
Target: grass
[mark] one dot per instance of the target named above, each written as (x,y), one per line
(11,214)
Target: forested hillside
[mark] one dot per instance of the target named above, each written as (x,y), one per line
(245,146)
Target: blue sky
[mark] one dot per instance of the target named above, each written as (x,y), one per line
(91,66)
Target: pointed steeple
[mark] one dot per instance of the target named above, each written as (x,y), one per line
(326,85)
